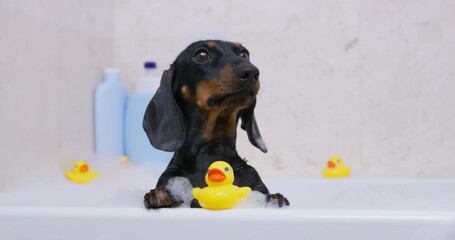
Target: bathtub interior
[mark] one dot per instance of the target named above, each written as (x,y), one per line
(118,185)
(51,207)
(123,185)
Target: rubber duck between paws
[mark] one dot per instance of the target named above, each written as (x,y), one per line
(220,192)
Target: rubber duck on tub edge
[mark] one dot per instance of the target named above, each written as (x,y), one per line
(220,193)
(336,168)
(81,173)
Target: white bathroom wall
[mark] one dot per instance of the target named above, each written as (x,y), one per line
(51,57)
(371,81)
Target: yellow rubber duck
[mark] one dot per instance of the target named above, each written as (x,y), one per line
(336,168)
(220,193)
(81,173)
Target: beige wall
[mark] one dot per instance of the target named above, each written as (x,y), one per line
(371,81)
(51,57)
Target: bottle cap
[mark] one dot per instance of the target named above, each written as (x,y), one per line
(111,74)
(150,65)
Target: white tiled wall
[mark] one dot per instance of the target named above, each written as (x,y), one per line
(372,81)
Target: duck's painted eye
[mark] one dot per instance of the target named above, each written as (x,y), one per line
(226,169)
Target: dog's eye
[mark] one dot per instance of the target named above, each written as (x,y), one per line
(201,56)
(244,54)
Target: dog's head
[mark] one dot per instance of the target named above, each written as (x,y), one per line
(210,86)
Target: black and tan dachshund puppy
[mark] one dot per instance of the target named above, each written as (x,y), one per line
(210,86)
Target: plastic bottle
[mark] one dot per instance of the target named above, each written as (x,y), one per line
(137,145)
(110,99)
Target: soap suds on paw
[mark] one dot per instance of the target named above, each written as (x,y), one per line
(254,200)
(180,190)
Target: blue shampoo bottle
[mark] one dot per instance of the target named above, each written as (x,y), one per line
(110,100)
(137,146)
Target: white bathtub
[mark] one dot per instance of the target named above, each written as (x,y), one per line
(321,209)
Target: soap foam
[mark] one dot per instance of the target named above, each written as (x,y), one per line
(254,200)
(180,190)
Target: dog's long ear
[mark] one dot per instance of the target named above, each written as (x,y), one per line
(251,127)
(163,119)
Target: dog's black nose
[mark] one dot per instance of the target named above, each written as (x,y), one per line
(250,73)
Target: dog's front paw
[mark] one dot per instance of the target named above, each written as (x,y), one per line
(159,198)
(277,199)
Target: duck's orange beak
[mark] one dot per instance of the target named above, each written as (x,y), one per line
(83,168)
(330,164)
(216,175)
